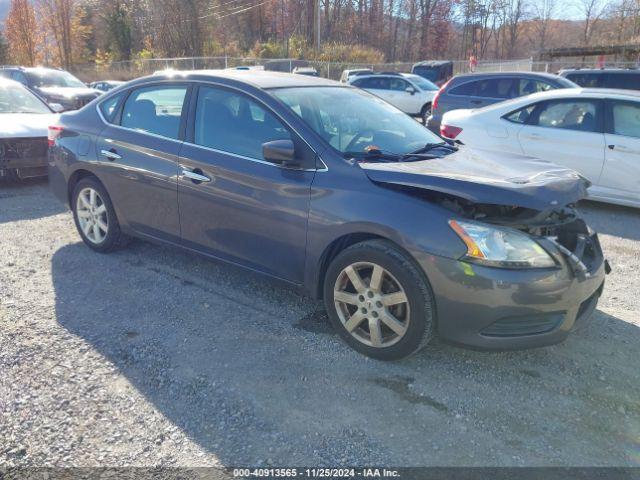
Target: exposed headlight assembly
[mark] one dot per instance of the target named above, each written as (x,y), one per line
(500,247)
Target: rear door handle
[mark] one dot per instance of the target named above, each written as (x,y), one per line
(476,102)
(110,154)
(535,136)
(195,175)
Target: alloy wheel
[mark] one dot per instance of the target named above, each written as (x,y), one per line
(371,304)
(92,215)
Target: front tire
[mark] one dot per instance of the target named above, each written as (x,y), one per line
(379,301)
(95,217)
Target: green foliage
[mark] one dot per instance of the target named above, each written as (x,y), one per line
(331,52)
(118,26)
(340,52)
(268,49)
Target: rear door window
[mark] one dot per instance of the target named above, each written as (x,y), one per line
(496,88)
(156,110)
(587,80)
(398,84)
(580,115)
(376,83)
(527,86)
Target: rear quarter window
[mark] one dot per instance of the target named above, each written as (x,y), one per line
(109,107)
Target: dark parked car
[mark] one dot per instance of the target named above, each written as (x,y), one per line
(604,78)
(336,192)
(475,90)
(436,71)
(105,85)
(24,118)
(55,86)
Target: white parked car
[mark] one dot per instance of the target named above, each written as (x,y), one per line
(593,131)
(354,72)
(24,118)
(410,93)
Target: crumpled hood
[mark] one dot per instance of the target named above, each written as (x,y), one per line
(480,176)
(25,125)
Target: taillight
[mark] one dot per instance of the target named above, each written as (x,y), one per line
(54,132)
(449,131)
(434,103)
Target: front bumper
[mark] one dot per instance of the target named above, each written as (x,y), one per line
(27,155)
(504,309)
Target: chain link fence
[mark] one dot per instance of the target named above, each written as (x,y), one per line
(128,70)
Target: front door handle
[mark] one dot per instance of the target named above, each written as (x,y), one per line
(195,175)
(110,154)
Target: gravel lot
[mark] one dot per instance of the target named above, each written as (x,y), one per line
(150,356)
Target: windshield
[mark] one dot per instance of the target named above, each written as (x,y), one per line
(354,121)
(423,83)
(17,99)
(53,78)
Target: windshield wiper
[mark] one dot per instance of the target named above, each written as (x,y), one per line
(374,155)
(430,146)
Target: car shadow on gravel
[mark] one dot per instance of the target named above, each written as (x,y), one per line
(615,220)
(27,200)
(250,372)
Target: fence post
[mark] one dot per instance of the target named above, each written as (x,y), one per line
(225,61)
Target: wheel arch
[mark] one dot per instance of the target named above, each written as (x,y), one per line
(75,177)
(333,249)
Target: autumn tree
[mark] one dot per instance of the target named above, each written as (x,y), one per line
(64,23)
(592,10)
(21,32)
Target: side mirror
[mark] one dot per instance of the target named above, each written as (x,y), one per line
(56,107)
(281,152)
(410,90)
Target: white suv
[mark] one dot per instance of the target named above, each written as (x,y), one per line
(410,93)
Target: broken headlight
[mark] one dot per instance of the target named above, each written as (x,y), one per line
(500,247)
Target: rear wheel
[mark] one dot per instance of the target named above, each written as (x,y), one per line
(378,301)
(95,217)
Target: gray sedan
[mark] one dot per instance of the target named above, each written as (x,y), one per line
(326,187)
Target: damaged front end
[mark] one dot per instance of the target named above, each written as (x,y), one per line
(518,194)
(559,229)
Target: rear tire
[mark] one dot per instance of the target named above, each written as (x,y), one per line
(95,217)
(386,310)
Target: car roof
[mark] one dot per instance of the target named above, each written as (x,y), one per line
(600,70)
(560,93)
(258,78)
(551,76)
(432,63)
